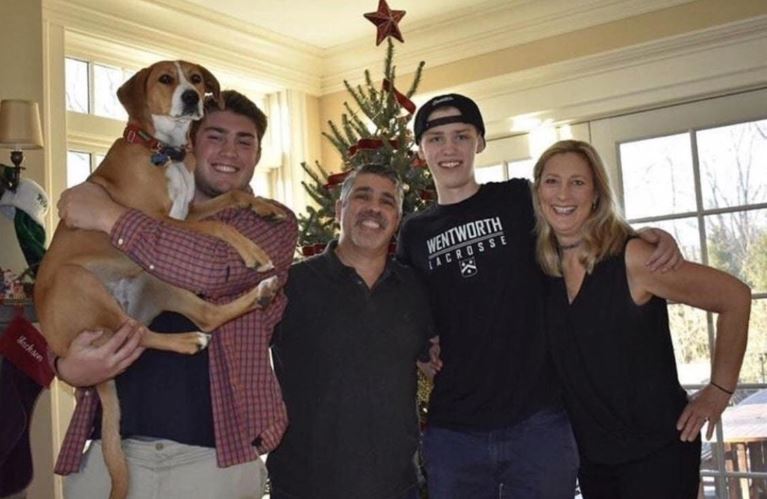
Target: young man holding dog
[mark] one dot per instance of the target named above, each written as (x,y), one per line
(496,423)
(193,426)
(345,355)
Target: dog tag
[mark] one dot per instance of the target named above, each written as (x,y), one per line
(159,158)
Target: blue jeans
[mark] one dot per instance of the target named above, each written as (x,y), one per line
(535,459)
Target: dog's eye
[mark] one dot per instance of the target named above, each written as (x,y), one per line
(166,79)
(195,79)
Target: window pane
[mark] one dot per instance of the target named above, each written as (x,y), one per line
(733,164)
(754,368)
(737,243)
(744,435)
(686,233)
(521,169)
(748,488)
(76,75)
(745,440)
(709,483)
(689,333)
(658,176)
(106,81)
(78,167)
(487,174)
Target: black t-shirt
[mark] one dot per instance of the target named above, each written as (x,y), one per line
(345,358)
(165,394)
(617,366)
(486,290)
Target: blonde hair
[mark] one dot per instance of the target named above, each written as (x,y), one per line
(605,232)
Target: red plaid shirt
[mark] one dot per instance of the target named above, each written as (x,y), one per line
(249,416)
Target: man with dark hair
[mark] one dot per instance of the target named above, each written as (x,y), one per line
(193,426)
(345,355)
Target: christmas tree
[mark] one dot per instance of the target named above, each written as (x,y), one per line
(376,132)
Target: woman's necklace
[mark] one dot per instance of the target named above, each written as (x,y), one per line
(563,247)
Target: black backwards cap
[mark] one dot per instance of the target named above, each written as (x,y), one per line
(469,114)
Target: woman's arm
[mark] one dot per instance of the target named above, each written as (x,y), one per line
(708,289)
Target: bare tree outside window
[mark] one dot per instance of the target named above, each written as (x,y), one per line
(708,188)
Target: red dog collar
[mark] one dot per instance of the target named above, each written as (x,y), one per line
(162,152)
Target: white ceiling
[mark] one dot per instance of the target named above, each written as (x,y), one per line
(327,23)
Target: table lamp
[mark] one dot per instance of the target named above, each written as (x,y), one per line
(20,130)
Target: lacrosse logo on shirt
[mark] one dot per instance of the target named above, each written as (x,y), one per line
(468,267)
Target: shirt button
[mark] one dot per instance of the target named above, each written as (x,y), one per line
(159,446)
(151,267)
(120,241)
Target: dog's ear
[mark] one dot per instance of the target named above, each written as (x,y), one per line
(132,94)
(212,86)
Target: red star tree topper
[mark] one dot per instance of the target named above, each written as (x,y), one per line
(386,21)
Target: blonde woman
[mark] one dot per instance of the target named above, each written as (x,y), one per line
(637,431)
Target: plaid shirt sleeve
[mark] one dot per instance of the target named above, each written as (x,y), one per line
(202,264)
(79,430)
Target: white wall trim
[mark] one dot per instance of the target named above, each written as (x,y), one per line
(172,27)
(477,30)
(666,71)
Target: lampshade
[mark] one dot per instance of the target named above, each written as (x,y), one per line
(20,125)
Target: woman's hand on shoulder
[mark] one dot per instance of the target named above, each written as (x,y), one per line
(666,254)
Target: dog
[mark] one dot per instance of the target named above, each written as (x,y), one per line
(85,283)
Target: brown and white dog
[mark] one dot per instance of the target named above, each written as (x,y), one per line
(84,283)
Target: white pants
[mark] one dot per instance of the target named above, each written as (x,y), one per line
(163,469)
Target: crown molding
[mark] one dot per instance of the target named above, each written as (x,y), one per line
(172,29)
(675,69)
(483,28)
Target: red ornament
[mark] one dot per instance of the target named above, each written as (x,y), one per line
(336,179)
(401,98)
(386,21)
(427,194)
(370,144)
(307,250)
(417,162)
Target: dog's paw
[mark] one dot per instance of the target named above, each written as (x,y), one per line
(267,210)
(203,340)
(265,267)
(266,290)
(189,343)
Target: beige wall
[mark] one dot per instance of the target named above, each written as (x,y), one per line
(681,19)
(22,78)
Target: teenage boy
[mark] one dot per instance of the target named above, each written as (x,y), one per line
(496,427)
(192,426)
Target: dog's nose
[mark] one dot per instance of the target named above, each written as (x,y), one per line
(190,98)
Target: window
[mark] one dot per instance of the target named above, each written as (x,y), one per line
(77,83)
(80,164)
(708,187)
(506,170)
(92,88)
(515,156)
